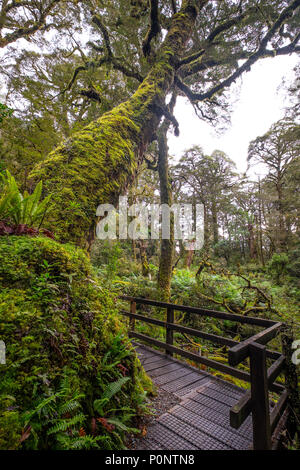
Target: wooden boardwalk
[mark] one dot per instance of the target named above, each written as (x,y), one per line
(201,419)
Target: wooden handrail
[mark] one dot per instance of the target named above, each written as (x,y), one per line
(202,311)
(261,379)
(241,351)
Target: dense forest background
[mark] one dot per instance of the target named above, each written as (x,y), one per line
(88,94)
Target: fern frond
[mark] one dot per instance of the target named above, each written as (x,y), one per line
(114,387)
(65,424)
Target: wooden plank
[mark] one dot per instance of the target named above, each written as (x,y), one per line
(184,329)
(195,357)
(166,369)
(227,387)
(275,369)
(211,403)
(195,436)
(240,411)
(218,396)
(215,339)
(132,311)
(171,376)
(155,365)
(260,398)
(150,359)
(148,444)
(169,330)
(213,429)
(278,410)
(193,386)
(182,382)
(217,415)
(203,360)
(167,439)
(239,352)
(202,311)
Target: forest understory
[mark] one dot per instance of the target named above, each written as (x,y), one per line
(89,96)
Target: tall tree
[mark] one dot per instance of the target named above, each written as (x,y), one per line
(42,114)
(202,37)
(276,150)
(210,178)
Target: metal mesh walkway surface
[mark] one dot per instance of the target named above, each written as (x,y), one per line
(201,419)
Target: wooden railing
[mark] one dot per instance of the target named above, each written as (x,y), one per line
(261,378)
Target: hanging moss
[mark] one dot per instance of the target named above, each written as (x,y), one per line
(58,325)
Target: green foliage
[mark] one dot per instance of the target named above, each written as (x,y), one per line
(108,393)
(5,111)
(293,266)
(21,209)
(277,266)
(107,255)
(65,349)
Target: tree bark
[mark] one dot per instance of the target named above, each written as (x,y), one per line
(260,202)
(282,230)
(96,164)
(214,215)
(144,259)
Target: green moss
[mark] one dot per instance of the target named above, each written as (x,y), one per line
(96,164)
(58,324)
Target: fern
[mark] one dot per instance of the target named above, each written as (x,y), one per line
(114,387)
(64,424)
(120,425)
(89,442)
(70,406)
(21,209)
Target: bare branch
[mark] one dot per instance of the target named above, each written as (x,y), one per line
(96,19)
(37,24)
(226,26)
(260,53)
(154,28)
(173,4)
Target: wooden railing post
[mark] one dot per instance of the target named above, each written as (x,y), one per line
(169,331)
(260,398)
(132,320)
(291,382)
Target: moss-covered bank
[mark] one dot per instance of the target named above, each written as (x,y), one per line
(66,352)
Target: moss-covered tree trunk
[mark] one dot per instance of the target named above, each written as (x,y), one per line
(96,164)
(144,259)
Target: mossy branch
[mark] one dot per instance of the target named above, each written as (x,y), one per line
(96,19)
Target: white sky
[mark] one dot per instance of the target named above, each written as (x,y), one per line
(259,105)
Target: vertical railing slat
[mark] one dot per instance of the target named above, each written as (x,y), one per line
(169,331)
(132,320)
(260,398)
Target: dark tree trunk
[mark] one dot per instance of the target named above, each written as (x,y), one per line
(167,246)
